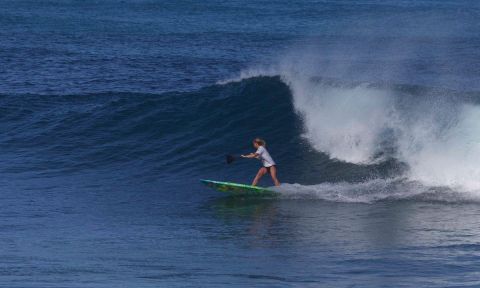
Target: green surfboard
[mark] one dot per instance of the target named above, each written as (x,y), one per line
(236,189)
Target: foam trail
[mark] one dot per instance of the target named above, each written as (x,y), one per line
(374,190)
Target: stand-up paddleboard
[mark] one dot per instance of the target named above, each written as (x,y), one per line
(238,189)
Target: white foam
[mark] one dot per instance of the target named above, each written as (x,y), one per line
(344,123)
(447,156)
(373,191)
(440,143)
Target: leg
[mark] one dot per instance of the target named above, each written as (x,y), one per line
(273,173)
(260,173)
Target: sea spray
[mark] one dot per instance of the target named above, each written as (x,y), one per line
(448,155)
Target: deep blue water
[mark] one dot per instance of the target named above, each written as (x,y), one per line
(111,112)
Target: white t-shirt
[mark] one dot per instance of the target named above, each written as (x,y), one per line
(263,155)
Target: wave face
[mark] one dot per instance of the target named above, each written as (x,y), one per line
(152,136)
(176,133)
(319,130)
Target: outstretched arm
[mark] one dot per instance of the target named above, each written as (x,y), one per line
(251,155)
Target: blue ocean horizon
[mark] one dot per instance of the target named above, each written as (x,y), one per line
(112,111)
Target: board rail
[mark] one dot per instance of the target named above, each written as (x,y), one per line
(237,189)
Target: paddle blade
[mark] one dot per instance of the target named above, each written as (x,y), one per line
(229,158)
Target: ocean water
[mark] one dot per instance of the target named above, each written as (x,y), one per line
(111,112)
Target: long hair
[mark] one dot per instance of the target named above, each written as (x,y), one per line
(260,142)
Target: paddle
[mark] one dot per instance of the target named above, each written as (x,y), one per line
(230,158)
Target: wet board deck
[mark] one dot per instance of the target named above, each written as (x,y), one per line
(237,189)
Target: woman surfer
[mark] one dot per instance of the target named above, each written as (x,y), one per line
(267,161)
